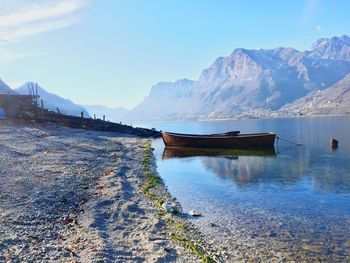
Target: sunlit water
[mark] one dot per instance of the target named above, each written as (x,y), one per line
(291,203)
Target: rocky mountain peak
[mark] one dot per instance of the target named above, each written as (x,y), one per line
(248,82)
(240,52)
(336,48)
(336,41)
(241,64)
(177,88)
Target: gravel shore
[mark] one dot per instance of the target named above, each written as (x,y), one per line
(69,195)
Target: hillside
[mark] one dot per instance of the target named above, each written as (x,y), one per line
(53,101)
(249,83)
(166,100)
(5,89)
(332,101)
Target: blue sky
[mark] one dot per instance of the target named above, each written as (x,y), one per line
(112,52)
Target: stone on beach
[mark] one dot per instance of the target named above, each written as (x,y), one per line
(66,198)
(169,207)
(194,213)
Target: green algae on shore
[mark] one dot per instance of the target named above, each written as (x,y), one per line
(151,179)
(176,226)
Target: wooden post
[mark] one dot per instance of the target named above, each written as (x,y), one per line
(94,116)
(42,109)
(58,111)
(104,118)
(82,118)
(36,94)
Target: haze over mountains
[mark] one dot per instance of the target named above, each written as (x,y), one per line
(65,106)
(166,99)
(247,83)
(112,114)
(51,101)
(251,83)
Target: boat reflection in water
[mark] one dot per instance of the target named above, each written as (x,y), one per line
(247,167)
(183,152)
(243,166)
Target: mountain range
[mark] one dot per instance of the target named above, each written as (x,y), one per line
(50,101)
(250,83)
(246,84)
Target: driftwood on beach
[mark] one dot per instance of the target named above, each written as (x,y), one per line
(25,107)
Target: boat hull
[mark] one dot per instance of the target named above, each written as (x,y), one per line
(256,140)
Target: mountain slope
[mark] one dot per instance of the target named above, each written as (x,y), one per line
(265,79)
(250,81)
(334,100)
(166,100)
(53,101)
(336,48)
(5,89)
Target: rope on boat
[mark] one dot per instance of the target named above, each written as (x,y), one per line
(291,142)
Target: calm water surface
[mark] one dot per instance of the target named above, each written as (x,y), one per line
(288,203)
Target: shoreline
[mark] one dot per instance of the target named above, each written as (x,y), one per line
(243,119)
(76,195)
(178,226)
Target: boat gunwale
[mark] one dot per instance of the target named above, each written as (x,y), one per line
(215,136)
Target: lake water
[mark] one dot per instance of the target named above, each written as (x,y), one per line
(290,203)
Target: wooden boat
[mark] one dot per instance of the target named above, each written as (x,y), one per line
(229,140)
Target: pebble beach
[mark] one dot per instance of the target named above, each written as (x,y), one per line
(70,195)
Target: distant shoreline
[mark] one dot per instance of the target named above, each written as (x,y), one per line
(239,119)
